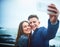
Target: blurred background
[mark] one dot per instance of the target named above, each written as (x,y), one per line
(12,12)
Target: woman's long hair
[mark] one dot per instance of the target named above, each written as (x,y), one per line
(20,31)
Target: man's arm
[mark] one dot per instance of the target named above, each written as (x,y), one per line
(53,22)
(52,29)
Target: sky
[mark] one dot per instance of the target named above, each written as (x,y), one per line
(15,11)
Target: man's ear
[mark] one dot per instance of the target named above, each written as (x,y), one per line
(39,22)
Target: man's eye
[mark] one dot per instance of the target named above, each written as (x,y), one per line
(34,21)
(30,22)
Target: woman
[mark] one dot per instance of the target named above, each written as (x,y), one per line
(23,36)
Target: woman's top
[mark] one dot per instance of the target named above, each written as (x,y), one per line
(23,41)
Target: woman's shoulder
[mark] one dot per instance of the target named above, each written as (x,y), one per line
(23,40)
(23,37)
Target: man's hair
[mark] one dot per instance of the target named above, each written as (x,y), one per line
(33,16)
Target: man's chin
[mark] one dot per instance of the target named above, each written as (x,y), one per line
(33,28)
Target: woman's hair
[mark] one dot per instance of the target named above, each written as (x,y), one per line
(20,31)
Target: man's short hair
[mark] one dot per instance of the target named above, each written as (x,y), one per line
(32,16)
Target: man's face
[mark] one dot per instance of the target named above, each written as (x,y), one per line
(34,23)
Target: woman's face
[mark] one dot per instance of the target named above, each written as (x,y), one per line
(26,28)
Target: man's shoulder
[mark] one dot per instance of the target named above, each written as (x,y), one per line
(42,28)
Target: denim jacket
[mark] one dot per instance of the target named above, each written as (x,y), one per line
(23,41)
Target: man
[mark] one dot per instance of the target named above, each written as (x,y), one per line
(40,35)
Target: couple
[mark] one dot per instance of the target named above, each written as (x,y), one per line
(31,35)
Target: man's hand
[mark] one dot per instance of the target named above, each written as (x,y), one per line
(53,15)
